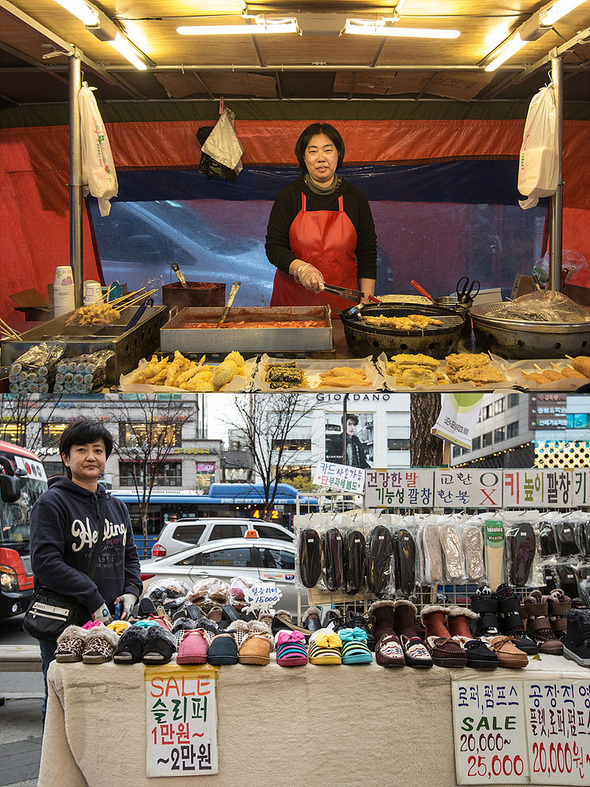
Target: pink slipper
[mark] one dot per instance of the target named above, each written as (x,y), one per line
(291,649)
(193,648)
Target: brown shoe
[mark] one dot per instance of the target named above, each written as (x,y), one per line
(446,652)
(558,603)
(508,654)
(388,651)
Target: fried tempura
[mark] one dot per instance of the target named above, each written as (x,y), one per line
(413,322)
(418,375)
(480,375)
(418,359)
(180,372)
(581,363)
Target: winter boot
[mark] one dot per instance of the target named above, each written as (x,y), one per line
(485,603)
(405,620)
(511,620)
(559,603)
(479,655)
(381,618)
(538,626)
(576,646)
(444,650)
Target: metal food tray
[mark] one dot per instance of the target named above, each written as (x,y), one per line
(129,346)
(174,336)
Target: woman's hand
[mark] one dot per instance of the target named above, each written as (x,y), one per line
(307,275)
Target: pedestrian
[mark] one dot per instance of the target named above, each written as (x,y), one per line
(69,519)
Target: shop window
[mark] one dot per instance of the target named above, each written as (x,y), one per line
(292,445)
(51,433)
(487,439)
(499,435)
(131,435)
(512,430)
(13,432)
(398,445)
(577,420)
(170,474)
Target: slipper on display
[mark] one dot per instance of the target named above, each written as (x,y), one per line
(130,647)
(223,650)
(333,558)
(324,647)
(405,561)
(522,544)
(354,646)
(257,646)
(291,649)
(310,557)
(193,647)
(379,560)
(355,561)
(160,645)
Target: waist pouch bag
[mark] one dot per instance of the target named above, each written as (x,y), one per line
(50,613)
(355,561)
(333,558)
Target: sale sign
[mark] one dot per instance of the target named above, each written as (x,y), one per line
(181,715)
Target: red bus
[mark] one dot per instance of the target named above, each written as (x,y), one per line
(22,481)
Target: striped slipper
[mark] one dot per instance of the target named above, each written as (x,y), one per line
(291,650)
(324,647)
(354,646)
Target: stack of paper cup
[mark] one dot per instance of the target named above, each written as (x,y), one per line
(63,291)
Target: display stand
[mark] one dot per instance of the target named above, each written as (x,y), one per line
(357,726)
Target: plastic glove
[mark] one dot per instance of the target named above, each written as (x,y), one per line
(102,614)
(310,277)
(128,600)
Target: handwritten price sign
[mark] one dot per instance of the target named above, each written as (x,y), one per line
(263,595)
(534,732)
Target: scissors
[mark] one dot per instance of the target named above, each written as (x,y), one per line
(466,290)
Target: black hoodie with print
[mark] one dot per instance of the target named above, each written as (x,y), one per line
(64,528)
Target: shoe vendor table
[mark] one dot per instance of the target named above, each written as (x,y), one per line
(355,726)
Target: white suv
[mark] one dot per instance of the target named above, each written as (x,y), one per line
(176,536)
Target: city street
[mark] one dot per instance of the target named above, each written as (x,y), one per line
(20,715)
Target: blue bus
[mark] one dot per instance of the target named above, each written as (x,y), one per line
(240,500)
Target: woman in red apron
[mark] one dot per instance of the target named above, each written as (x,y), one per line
(320,228)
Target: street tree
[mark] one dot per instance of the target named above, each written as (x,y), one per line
(150,428)
(426,450)
(20,419)
(267,422)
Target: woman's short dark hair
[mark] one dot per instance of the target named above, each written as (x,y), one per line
(82,433)
(351,417)
(319,128)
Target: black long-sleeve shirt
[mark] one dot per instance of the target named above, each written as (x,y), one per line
(288,204)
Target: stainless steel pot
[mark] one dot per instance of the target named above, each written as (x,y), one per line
(520,339)
(438,341)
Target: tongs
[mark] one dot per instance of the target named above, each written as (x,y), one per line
(348,294)
(137,316)
(176,268)
(230,299)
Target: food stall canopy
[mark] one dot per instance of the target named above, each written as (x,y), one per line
(396,100)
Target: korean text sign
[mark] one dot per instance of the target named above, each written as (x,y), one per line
(399,488)
(522,731)
(181,715)
(342,478)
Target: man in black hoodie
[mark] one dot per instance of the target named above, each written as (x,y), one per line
(65,528)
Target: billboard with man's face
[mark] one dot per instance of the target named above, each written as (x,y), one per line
(359,439)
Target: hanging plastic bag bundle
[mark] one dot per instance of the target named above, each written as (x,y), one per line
(98,167)
(538,164)
(223,144)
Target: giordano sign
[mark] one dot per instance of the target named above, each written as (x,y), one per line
(324,398)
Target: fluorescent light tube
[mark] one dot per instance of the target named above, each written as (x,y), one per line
(84,12)
(261,27)
(560,8)
(126,48)
(510,48)
(363,27)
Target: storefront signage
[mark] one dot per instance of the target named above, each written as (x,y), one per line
(580,488)
(547,411)
(401,488)
(181,716)
(341,478)
(537,487)
(522,731)
(468,488)
(458,417)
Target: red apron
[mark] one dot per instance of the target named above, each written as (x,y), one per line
(327,240)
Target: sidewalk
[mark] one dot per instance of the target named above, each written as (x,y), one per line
(20,730)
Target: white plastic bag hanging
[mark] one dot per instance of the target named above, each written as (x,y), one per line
(98,168)
(538,165)
(223,144)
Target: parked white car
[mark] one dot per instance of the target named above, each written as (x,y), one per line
(176,536)
(269,560)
